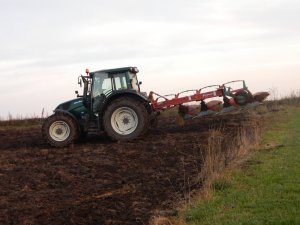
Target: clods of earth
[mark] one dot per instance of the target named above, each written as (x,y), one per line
(99,181)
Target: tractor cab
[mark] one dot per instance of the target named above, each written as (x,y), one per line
(107,81)
(101,85)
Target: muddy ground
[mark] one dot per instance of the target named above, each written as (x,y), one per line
(99,181)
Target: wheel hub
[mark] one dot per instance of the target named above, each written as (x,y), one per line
(124,120)
(59,130)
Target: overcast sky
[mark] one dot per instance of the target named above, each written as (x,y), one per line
(176,44)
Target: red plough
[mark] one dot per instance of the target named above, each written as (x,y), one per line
(233,99)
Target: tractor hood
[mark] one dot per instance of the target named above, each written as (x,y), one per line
(71,105)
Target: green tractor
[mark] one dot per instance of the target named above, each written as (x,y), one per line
(111,102)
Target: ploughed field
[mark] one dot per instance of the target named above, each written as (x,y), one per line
(98,181)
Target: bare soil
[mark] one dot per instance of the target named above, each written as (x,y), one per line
(99,181)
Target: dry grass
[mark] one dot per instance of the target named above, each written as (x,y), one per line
(224,157)
(293,99)
(224,152)
(159,220)
(21,123)
(251,192)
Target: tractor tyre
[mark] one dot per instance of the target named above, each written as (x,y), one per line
(242,98)
(60,130)
(126,119)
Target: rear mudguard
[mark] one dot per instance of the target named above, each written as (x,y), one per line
(126,93)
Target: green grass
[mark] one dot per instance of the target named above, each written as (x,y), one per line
(266,189)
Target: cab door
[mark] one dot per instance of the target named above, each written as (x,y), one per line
(102,87)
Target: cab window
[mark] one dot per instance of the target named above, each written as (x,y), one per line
(102,84)
(133,81)
(120,81)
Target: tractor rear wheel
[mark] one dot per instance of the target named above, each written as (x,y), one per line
(60,130)
(126,119)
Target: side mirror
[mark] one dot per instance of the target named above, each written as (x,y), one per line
(76,92)
(80,81)
(140,83)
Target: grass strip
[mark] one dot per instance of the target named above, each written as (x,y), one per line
(266,189)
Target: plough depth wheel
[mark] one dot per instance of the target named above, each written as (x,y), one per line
(242,98)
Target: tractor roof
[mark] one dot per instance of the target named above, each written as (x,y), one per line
(117,70)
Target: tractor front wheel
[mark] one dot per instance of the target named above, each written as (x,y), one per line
(60,130)
(126,119)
